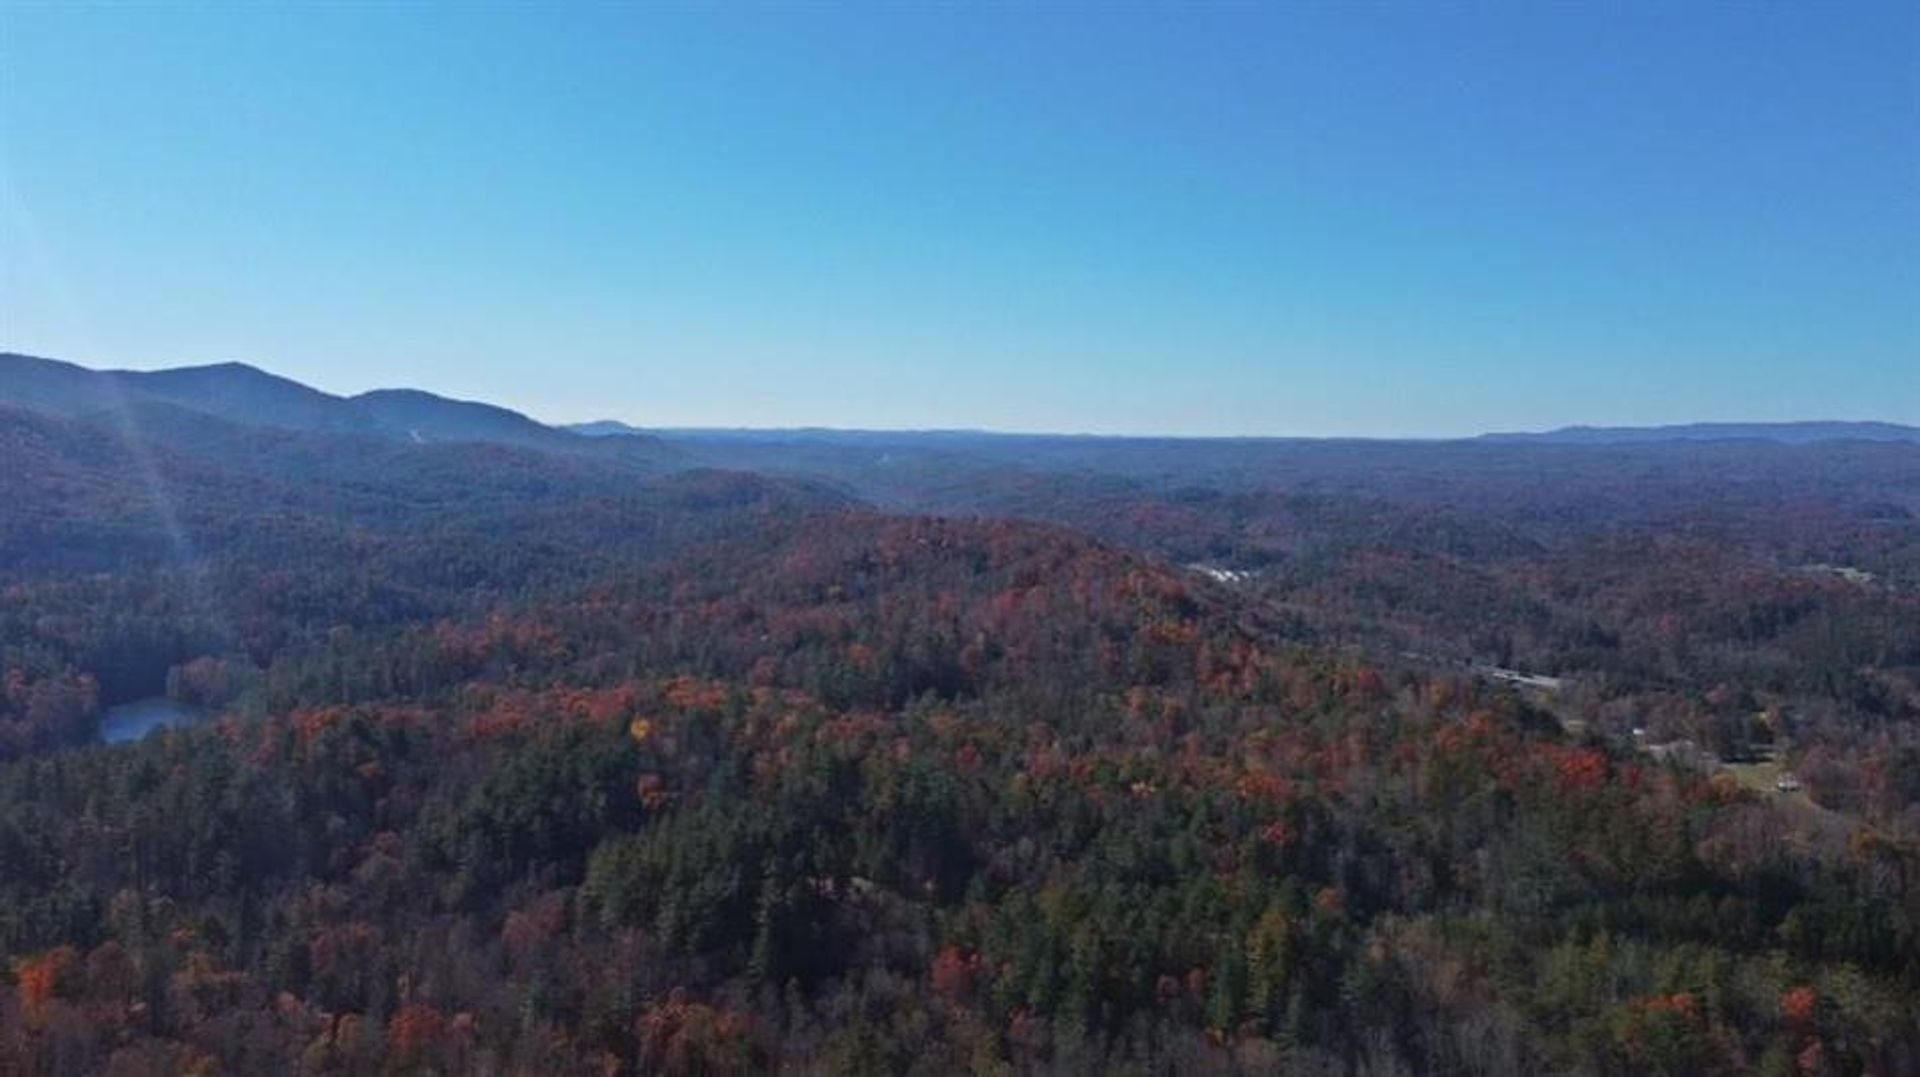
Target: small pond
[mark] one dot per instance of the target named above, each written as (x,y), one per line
(131,721)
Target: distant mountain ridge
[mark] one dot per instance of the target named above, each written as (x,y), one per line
(243,394)
(1795,433)
(239,393)
(604,428)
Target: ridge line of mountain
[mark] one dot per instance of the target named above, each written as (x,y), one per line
(241,392)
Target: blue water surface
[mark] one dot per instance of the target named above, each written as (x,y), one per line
(131,721)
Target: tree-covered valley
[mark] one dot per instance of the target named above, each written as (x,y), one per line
(523,751)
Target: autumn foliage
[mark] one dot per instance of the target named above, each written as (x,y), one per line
(569,771)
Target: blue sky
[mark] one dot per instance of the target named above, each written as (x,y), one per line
(1273,219)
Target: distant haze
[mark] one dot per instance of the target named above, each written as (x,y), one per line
(237,393)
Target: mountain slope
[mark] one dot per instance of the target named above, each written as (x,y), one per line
(244,394)
(604,428)
(54,387)
(1789,433)
(422,416)
(154,482)
(238,393)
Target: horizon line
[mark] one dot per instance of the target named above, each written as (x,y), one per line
(988,431)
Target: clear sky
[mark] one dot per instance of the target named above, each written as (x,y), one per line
(1265,219)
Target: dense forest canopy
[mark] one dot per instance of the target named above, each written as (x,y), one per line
(527,751)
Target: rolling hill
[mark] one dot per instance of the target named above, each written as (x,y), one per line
(238,393)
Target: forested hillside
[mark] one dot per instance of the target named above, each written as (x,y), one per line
(711,756)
